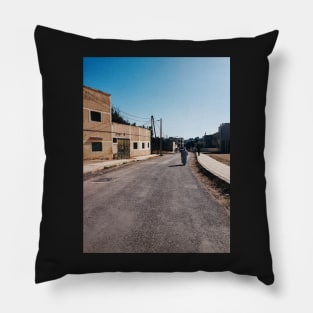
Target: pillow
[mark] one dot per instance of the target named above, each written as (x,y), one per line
(172,106)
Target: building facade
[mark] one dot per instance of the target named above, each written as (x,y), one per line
(130,141)
(105,140)
(210,141)
(97,136)
(224,137)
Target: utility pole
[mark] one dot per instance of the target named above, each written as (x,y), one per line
(153,125)
(151,134)
(161,137)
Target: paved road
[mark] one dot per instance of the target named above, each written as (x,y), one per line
(152,206)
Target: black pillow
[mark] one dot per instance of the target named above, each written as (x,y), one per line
(241,236)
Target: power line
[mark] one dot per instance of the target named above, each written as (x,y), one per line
(136,120)
(99,127)
(130,118)
(132,115)
(99,101)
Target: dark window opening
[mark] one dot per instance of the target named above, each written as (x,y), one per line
(96,146)
(143,145)
(135,145)
(114,140)
(148,145)
(95,116)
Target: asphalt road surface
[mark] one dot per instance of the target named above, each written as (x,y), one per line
(153,206)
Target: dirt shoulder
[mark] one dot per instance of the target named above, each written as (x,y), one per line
(218,189)
(223,158)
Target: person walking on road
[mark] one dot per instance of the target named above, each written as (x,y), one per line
(198,149)
(184,153)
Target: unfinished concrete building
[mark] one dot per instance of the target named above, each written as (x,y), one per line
(105,140)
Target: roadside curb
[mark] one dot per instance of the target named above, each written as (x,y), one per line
(119,163)
(218,169)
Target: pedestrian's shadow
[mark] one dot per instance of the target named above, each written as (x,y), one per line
(175,165)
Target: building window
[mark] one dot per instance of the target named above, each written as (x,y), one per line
(95,116)
(143,145)
(96,146)
(135,145)
(114,140)
(148,145)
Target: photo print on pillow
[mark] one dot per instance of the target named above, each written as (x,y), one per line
(142,139)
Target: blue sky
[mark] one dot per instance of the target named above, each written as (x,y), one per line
(190,94)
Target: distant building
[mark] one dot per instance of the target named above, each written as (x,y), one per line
(224,137)
(169,144)
(180,142)
(214,143)
(105,140)
(210,141)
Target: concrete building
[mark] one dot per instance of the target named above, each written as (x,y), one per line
(210,141)
(130,141)
(97,136)
(224,137)
(179,141)
(105,140)
(169,144)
